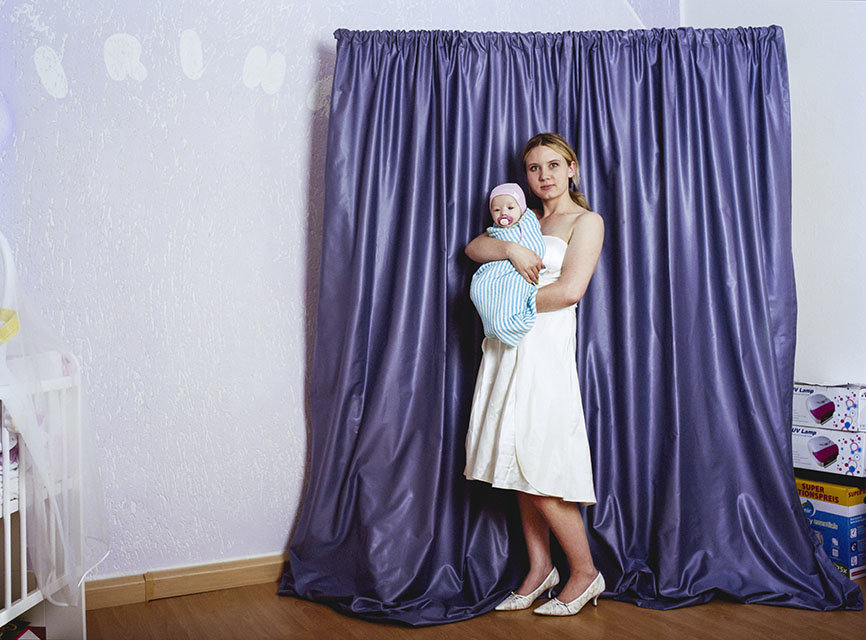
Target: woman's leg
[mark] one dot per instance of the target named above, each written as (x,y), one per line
(565,520)
(537,535)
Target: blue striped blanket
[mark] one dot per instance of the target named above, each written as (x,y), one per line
(505,301)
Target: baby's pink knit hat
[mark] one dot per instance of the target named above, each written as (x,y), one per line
(509,189)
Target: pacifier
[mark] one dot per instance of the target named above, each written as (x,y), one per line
(504,221)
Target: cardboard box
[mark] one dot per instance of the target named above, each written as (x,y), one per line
(828,451)
(838,517)
(840,407)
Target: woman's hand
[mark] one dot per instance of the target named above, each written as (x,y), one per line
(527,263)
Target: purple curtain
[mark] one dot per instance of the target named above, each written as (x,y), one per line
(685,338)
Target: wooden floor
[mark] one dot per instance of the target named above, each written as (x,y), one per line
(257,612)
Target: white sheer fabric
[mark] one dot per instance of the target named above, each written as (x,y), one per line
(40,391)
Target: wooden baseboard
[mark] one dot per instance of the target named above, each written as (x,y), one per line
(113,592)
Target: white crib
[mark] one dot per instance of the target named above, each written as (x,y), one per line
(40,406)
(20,594)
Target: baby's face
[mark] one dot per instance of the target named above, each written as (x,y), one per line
(505,211)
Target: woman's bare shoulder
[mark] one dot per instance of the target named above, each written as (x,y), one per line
(586,223)
(586,217)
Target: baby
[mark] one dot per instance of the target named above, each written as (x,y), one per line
(504,299)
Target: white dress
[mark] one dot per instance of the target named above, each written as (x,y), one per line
(527,431)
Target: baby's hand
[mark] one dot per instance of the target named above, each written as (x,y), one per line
(527,263)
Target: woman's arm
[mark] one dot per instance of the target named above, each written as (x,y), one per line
(486,249)
(579,264)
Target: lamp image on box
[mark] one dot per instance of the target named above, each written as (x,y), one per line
(824,450)
(820,407)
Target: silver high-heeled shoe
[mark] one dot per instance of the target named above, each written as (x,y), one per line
(557,607)
(515,601)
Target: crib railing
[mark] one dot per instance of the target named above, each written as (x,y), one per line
(60,396)
(19,587)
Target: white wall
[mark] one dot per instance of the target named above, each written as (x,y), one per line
(826,46)
(168,222)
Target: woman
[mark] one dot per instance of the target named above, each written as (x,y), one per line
(527,430)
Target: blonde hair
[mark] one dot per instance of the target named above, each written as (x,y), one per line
(558,144)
